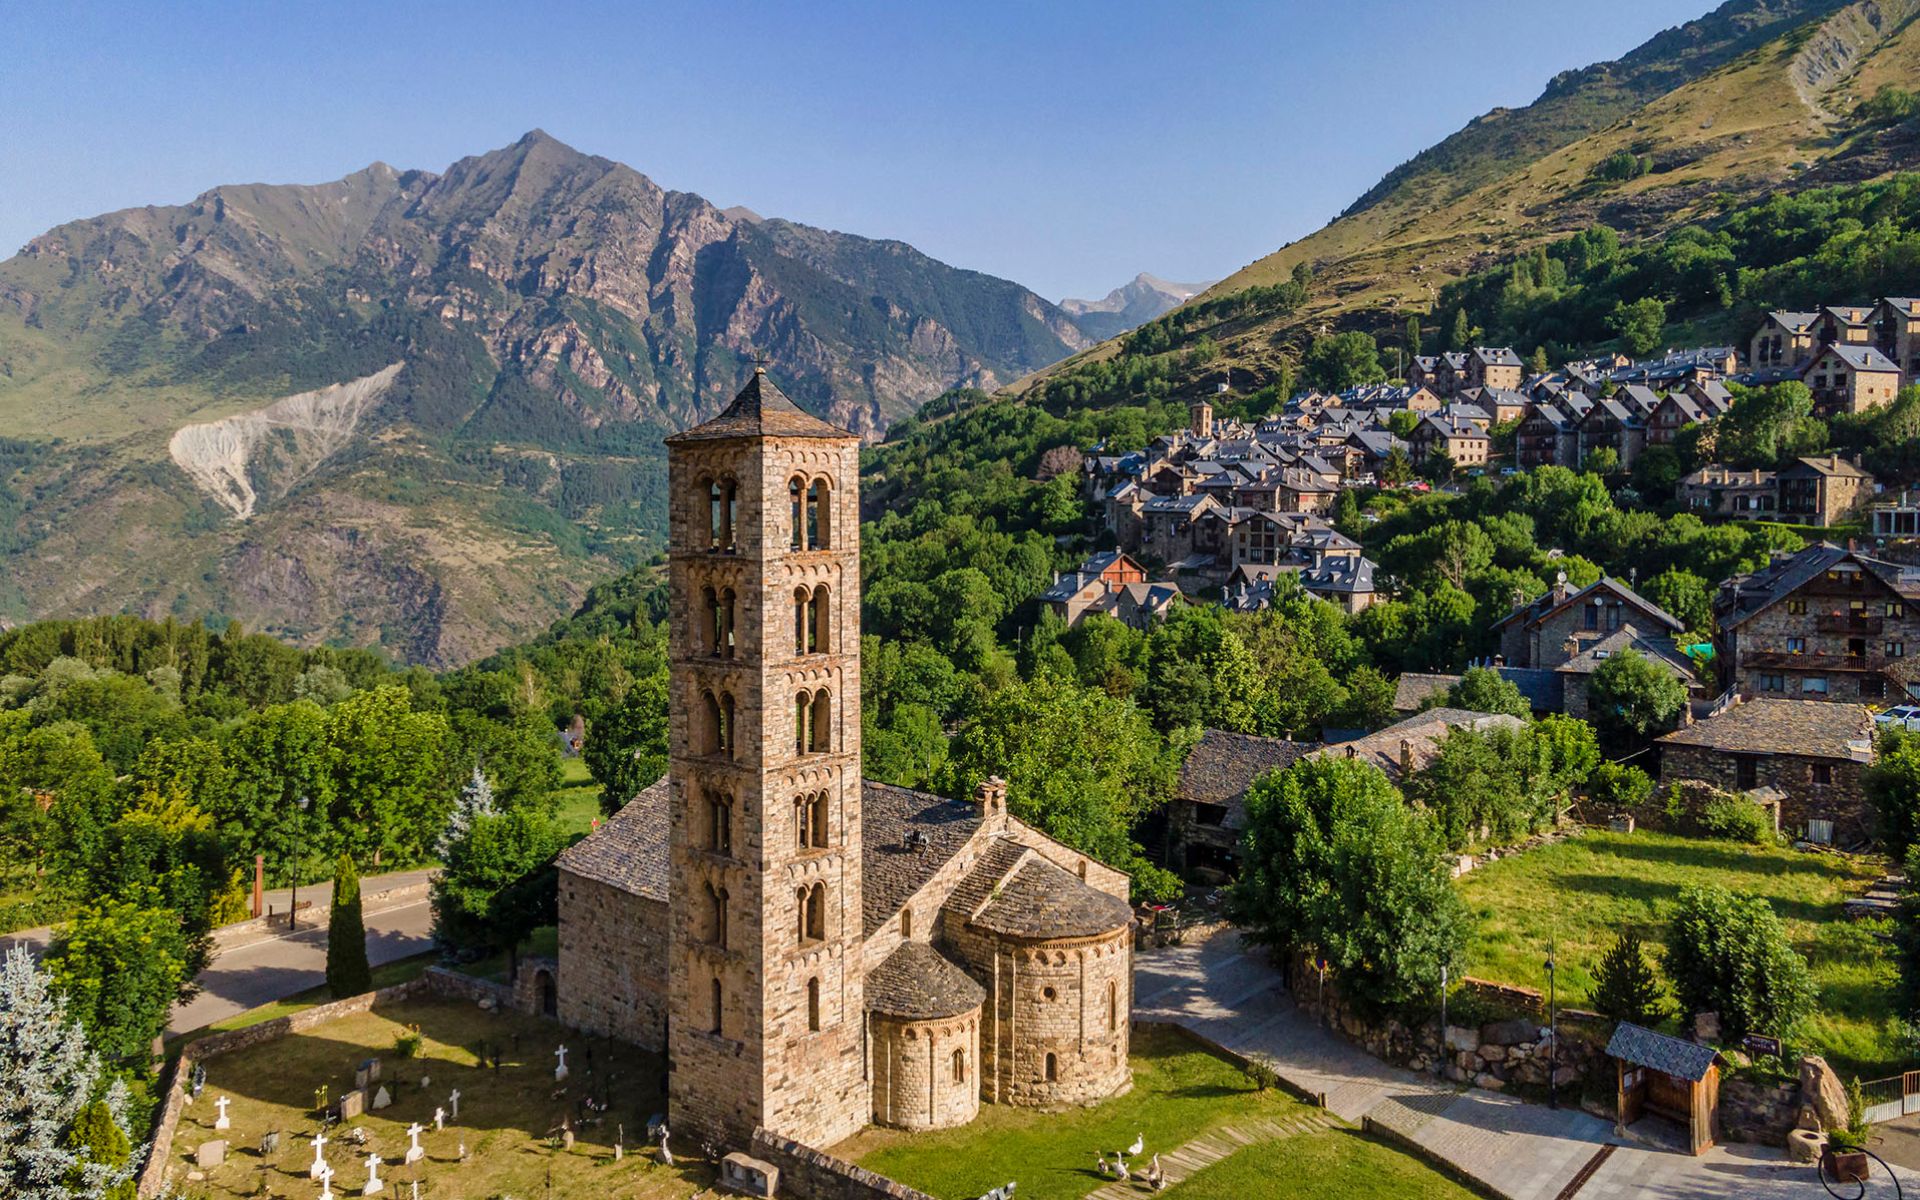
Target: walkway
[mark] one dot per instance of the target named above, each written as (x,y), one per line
(1231,996)
(1208,1149)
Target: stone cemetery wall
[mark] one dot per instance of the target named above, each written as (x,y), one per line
(808,1174)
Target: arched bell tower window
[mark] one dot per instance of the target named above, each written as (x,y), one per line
(723,512)
(821,727)
(810,821)
(813,1004)
(718,734)
(720,823)
(720,606)
(795,492)
(817,620)
(813,913)
(819,515)
(717,916)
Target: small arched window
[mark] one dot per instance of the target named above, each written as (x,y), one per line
(802,720)
(959,1066)
(794,490)
(717,916)
(813,1004)
(802,623)
(710,605)
(1052,1069)
(819,518)
(822,724)
(1113,1006)
(712,732)
(720,823)
(813,913)
(723,741)
(906,923)
(723,640)
(817,620)
(722,511)
(718,1026)
(817,811)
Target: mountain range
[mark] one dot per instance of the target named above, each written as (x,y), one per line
(421,409)
(1130,305)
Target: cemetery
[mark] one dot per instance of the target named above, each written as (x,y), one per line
(1577,895)
(431,1097)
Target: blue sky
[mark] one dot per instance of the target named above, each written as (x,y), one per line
(1064,145)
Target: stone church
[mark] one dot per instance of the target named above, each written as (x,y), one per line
(813,951)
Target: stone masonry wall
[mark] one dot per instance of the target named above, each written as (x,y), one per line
(1050,1000)
(809,1174)
(1841,801)
(916,1084)
(613,962)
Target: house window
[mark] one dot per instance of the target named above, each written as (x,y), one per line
(1896,649)
(1873,687)
(1746,773)
(1896,609)
(1797,608)
(1823,773)
(1814,685)
(1796,645)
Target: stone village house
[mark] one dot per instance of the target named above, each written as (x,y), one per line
(1826,624)
(812,951)
(1809,753)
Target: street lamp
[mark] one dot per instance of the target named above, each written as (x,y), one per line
(1553,1038)
(293,902)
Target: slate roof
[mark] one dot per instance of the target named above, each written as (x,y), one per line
(761,410)
(1421,735)
(1222,766)
(1798,322)
(1497,356)
(1341,576)
(1810,728)
(1039,900)
(1659,1052)
(629,850)
(1628,637)
(1547,605)
(1414,688)
(891,872)
(918,983)
(1860,358)
(1744,596)
(1545,691)
(1831,465)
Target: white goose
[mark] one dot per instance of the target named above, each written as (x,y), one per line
(1139,1144)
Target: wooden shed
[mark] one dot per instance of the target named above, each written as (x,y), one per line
(1669,1078)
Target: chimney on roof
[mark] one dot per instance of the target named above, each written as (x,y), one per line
(1406,757)
(1351,752)
(1559,586)
(991,795)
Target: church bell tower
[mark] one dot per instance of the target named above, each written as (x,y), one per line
(766,1009)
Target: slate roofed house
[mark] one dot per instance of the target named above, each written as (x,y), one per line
(1345,581)
(1810,752)
(1208,813)
(1465,443)
(1711,396)
(1674,413)
(1848,378)
(1638,397)
(1896,332)
(1494,367)
(1577,672)
(1844,325)
(1543,690)
(1089,588)
(1546,437)
(1825,623)
(1548,631)
(1422,371)
(1503,404)
(1716,491)
(1784,339)
(1823,489)
(1616,426)
(1450,374)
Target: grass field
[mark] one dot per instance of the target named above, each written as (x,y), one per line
(1179,1092)
(505,1116)
(1339,1162)
(579,797)
(1579,894)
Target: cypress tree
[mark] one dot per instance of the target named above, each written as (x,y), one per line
(98,1139)
(1413,335)
(1540,365)
(347,971)
(1462,337)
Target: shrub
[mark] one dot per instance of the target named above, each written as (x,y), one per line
(1729,954)
(1735,818)
(1618,787)
(406,1044)
(1625,987)
(1858,1128)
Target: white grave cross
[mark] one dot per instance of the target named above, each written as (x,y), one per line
(373,1176)
(414,1152)
(439,1119)
(326,1184)
(453,1102)
(319,1168)
(222,1122)
(560,1072)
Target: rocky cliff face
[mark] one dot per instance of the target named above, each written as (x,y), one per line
(501,346)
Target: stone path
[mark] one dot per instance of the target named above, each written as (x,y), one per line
(1228,994)
(1208,1149)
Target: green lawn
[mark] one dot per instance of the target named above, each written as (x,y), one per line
(1579,894)
(1179,1092)
(1339,1162)
(579,797)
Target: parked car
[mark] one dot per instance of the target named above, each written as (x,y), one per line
(1906,716)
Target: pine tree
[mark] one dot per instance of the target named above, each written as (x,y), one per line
(347,971)
(48,1075)
(100,1141)
(1539,364)
(1624,987)
(1413,335)
(1462,335)
(476,800)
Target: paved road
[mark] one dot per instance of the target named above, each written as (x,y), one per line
(257,973)
(1521,1151)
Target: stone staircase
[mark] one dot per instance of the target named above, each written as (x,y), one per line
(1209,1148)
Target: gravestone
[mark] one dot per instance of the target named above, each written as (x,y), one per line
(269,1144)
(210,1154)
(414,1152)
(222,1122)
(352,1105)
(748,1175)
(381,1099)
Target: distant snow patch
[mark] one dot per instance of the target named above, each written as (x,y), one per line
(284,442)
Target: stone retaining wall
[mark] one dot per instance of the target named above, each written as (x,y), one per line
(808,1174)
(1758,1112)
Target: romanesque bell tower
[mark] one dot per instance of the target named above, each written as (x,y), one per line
(766,1012)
